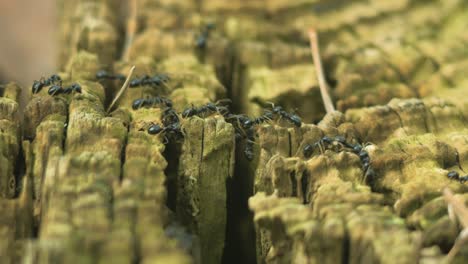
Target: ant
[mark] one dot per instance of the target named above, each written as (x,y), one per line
(294,119)
(102,74)
(38,85)
(322,144)
(209,107)
(56,90)
(200,40)
(237,121)
(453,175)
(267,116)
(172,130)
(157,80)
(142,102)
(357,149)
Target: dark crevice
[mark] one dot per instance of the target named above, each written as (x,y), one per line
(122,154)
(172,154)
(304,186)
(19,171)
(292,178)
(345,253)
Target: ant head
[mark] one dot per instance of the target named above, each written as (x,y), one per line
(211,106)
(189,112)
(296,120)
(247,123)
(168,103)
(76,87)
(101,74)
(36,87)
(326,139)
(135,82)
(55,78)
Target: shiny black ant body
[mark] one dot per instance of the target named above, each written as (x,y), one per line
(453,175)
(267,116)
(38,85)
(56,89)
(151,102)
(104,75)
(201,39)
(171,131)
(237,121)
(294,119)
(325,142)
(157,80)
(322,144)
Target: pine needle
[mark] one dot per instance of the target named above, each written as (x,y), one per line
(131,28)
(123,89)
(327,101)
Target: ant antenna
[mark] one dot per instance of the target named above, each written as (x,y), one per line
(131,28)
(319,69)
(122,90)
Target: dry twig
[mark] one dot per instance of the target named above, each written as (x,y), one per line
(131,28)
(457,207)
(319,69)
(122,90)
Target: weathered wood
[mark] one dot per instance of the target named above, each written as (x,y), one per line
(206,164)
(9,138)
(105,190)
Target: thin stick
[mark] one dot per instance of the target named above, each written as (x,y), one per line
(131,28)
(123,89)
(461,212)
(319,70)
(458,207)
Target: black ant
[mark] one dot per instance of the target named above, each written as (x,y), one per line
(357,149)
(453,175)
(102,74)
(267,116)
(170,131)
(294,119)
(322,144)
(56,90)
(38,85)
(150,102)
(237,121)
(170,117)
(209,107)
(157,80)
(200,40)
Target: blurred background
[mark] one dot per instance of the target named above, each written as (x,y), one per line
(27,40)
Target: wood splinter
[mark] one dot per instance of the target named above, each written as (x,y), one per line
(327,101)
